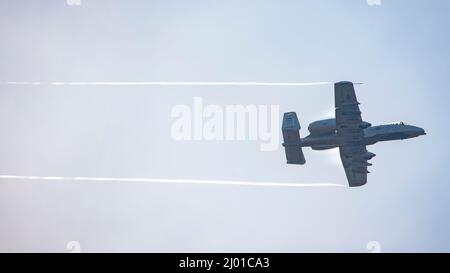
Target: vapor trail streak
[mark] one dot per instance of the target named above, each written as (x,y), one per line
(172,83)
(177,181)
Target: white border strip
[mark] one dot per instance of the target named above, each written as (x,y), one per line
(177,181)
(171,83)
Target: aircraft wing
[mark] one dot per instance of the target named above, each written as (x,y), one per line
(348,115)
(355,164)
(350,130)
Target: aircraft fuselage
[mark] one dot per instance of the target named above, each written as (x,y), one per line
(372,135)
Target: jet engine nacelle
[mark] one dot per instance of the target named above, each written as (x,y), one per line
(322,127)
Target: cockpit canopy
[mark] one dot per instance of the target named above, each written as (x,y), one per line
(401,123)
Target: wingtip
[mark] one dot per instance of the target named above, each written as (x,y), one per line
(348,82)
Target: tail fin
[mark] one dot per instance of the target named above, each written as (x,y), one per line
(291,136)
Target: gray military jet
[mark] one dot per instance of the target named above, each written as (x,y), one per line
(347,131)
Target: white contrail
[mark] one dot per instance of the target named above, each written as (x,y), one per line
(146,83)
(177,181)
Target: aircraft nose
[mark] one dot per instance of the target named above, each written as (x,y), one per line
(421,131)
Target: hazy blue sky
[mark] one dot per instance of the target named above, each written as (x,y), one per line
(400,50)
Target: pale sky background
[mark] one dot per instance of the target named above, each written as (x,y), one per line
(400,50)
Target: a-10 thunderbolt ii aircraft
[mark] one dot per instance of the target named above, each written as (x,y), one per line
(347,131)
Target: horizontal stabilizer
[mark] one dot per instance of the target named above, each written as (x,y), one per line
(291,137)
